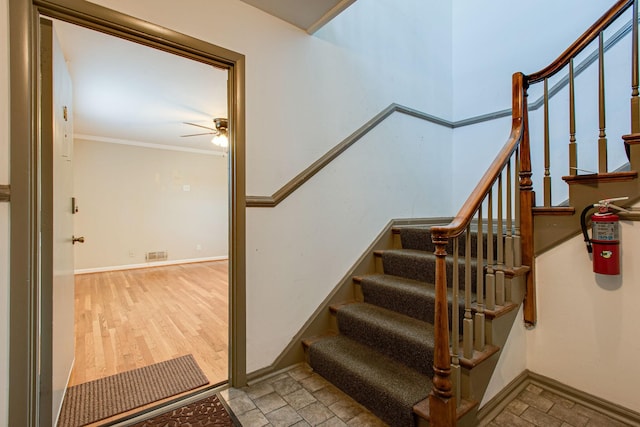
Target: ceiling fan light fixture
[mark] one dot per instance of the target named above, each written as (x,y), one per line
(220,138)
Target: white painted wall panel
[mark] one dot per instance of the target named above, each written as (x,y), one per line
(300,250)
(586,335)
(132,200)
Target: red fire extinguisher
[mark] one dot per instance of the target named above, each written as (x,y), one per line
(604,243)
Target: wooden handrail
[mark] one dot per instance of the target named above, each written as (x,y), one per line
(442,399)
(473,202)
(582,42)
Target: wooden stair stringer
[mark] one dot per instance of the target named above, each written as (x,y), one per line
(553,227)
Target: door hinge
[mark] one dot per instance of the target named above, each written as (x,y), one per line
(5,193)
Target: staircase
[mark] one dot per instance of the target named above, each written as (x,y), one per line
(390,347)
(383,353)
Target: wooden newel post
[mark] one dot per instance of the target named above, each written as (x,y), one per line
(527,196)
(442,403)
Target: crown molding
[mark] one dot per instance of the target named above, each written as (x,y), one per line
(95,138)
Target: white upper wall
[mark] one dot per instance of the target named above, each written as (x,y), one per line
(488,38)
(486,53)
(307,93)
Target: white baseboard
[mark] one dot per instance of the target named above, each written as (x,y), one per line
(147,264)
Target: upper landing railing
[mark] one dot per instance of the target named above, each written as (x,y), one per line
(505,197)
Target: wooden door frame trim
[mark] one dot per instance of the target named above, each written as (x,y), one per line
(24,317)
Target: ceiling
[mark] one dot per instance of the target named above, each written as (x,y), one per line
(308,15)
(132,94)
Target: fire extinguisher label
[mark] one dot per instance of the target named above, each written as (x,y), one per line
(606,254)
(605,231)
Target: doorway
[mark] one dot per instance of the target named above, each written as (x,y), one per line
(30,354)
(147,201)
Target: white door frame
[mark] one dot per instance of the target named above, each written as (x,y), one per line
(29,400)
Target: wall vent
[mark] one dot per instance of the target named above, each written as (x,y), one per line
(156,256)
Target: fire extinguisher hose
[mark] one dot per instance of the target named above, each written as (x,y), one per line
(583,225)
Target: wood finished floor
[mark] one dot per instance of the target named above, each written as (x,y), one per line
(133,318)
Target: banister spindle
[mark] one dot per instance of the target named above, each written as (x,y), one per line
(635,100)
(500,251)
(508,241)
(602,136)
(547,156)
(517,245)
(478,342)
(467,323)
(455,323)
(573,149)
(490,298)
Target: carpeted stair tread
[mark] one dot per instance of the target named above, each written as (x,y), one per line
(409,297)
(419,265)
(387,388)
(408,340)
(419,238)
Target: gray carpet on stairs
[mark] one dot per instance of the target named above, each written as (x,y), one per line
(383,355)
(408,340)
(419,238)
(419,265)
(409,297)
(386,387)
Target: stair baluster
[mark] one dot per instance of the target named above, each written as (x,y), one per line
(478,341)
(500,289)
(573,146)
(508,240)
(467,325)
(455,323)
(602,136)
(547,156)
(517,241)
(490,279)
(635,75)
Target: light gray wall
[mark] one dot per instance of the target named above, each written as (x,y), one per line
(132,200)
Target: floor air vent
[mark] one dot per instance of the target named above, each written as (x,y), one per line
(156,256)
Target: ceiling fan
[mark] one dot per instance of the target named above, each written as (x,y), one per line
(219,131)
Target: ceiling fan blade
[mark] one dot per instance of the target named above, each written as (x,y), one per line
(200,126)
(198,134)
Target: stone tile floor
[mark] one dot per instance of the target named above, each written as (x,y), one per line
(535,406)
(299,397)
